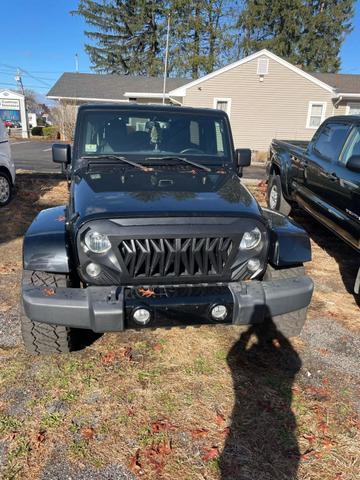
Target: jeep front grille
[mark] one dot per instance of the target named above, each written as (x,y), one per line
(175,257)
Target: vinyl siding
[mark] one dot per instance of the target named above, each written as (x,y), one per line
(261,111)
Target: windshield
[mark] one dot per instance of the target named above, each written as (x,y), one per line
(144,135)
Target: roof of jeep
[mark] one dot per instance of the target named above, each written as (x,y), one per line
(149,107)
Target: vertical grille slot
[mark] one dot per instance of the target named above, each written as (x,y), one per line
(175,257)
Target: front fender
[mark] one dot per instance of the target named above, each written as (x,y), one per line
(46,246)
(289,243)
(281,159)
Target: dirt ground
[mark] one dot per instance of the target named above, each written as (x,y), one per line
(195,403)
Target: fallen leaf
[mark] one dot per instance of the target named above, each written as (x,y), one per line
(226,432)
(199,433)
(323,428)
(109,357)
(309,437)
(219,419)
(135,465)
(49,292)
(88,433)
(162,425)
(41,436)
(126,353)
(165,447)
(131,412)
(328,443)
(158,347)
(210,453)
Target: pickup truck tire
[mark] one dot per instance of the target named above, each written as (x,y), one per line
(274,196)
(288,324)
(41,338)
(5,188)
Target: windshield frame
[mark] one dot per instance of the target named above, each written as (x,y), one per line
(207,160)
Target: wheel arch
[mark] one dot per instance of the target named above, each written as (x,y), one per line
(46,247)
(7,172)
(289,244)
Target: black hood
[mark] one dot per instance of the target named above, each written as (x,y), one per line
(115,192)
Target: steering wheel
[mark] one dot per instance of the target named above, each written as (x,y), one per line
(192,150)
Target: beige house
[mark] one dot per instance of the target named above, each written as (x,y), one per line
(265,96)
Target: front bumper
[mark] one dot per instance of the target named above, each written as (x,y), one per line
(104,309)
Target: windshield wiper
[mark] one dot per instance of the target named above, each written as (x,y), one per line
(114,157)
(183,159)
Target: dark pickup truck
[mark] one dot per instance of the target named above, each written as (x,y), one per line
(158,232)
(322,177)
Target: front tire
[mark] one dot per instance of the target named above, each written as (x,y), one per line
(5,189)
(42,338)
(274,196)
(289,324)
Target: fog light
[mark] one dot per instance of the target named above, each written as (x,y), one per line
(219,312)
(141,316)
(253,264)
(93,269)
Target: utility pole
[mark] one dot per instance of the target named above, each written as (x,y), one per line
(18,78)
(166,58)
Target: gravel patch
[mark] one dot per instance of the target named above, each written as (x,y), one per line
(332,344)
(62,470)
(10,334)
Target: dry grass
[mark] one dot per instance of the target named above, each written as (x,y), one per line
(203,403)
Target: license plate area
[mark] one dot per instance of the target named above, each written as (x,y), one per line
(177,306)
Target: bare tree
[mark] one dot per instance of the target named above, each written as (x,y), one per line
(64,115)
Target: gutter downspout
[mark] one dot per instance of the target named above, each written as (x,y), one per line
(336,104)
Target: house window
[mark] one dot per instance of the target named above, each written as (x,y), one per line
(223,104)
(316,114)
(353,109)
(263,66)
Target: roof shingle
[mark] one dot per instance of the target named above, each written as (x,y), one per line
(342,82)
(108,86)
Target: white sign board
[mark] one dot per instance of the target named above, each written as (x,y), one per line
(9,104)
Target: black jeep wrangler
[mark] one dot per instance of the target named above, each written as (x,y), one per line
(158,232)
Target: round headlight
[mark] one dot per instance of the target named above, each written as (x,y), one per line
(250,239)
(97,242)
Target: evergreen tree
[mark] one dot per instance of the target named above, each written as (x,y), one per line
(125,35)
(128,36)
(327,23)
(304,32)
(202,34)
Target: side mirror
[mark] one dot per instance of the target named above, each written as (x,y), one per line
(354,163)
(243,157)
(61,153)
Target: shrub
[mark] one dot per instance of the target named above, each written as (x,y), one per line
(51,132)
(37,131)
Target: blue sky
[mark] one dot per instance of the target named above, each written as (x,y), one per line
(42,38)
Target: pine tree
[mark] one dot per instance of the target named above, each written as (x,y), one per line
(128,36)
(327,23)
(202,35)
(304,32)
(125,35)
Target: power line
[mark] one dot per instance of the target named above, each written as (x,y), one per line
(27,73)
(13,84)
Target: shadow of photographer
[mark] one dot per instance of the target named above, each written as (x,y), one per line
(262,441)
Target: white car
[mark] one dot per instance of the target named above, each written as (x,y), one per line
(7,168)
